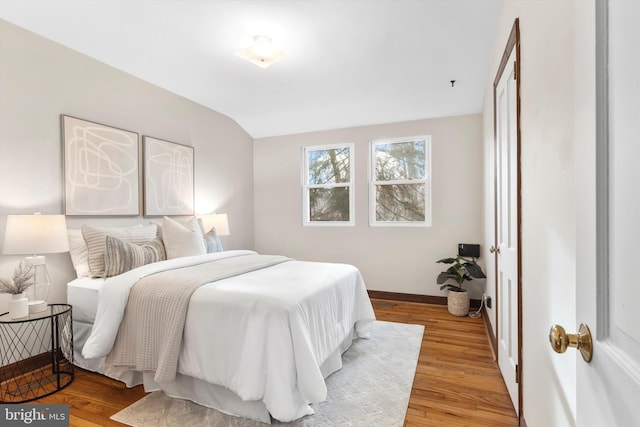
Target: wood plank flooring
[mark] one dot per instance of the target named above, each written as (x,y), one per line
(457,382)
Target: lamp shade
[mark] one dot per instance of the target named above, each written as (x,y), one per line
(219,221)
(35,234)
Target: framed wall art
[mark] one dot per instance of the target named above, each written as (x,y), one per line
(100,169)
(168,178)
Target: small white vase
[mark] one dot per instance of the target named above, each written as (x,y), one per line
(18,306)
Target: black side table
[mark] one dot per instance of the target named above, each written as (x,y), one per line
(36,354)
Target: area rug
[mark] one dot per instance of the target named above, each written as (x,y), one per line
(371,389)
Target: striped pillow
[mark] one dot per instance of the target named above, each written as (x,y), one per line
(121,256)
(96,237)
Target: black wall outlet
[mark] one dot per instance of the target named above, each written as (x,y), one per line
(469,250)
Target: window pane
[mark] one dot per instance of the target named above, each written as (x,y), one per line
(400,160)
(401,202)
(328,166)
(329,204)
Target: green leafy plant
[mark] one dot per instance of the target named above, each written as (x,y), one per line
(461,269)
(19,282)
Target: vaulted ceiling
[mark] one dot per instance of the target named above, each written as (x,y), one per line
(349,62)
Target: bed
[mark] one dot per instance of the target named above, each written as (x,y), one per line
(256,344)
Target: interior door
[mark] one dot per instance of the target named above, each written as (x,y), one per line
(507,226)
(608,291)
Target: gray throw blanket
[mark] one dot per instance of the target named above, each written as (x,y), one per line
(150,335)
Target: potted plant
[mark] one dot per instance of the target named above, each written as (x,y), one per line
(16,286)
(461,269)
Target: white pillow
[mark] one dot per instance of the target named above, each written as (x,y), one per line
(79,252)
(182,240)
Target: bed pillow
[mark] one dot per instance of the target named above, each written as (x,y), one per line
(212,241)
(121,256)
(96,237)
(182,240)
(79,252)
(159,232)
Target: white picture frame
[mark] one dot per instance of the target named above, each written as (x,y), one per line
(168,178)
(101,172)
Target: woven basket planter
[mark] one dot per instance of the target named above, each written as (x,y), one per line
(458,303)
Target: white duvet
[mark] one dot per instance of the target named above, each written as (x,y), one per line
(264,334)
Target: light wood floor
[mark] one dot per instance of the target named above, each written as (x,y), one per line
(457,382)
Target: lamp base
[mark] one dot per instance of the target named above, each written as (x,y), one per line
(37,306)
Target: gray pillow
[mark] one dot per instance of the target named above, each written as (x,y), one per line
(121,256)
(212,241)
(96,237)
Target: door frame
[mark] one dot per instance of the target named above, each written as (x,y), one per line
(512,43)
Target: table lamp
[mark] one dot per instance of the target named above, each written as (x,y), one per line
(32,235)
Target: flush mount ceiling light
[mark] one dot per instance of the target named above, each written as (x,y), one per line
(262,52)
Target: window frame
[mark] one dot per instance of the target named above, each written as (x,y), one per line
(373,183)
(306,218)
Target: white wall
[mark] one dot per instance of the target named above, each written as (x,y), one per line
(40,80)
(393,259)
(548,97)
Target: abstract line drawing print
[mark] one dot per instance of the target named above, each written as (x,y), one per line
(101,169)
(168,178)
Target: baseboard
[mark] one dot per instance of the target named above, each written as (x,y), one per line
(423,299)
(493,341)
(490,334)
(25,365)
(395,296)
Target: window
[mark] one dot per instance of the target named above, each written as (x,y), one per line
(327,185)
(400,182)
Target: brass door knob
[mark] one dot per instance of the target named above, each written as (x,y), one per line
(494,250)
(560,341)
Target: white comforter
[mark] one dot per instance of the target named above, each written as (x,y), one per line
(263,334)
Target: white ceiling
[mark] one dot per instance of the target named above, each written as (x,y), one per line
(350,62)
